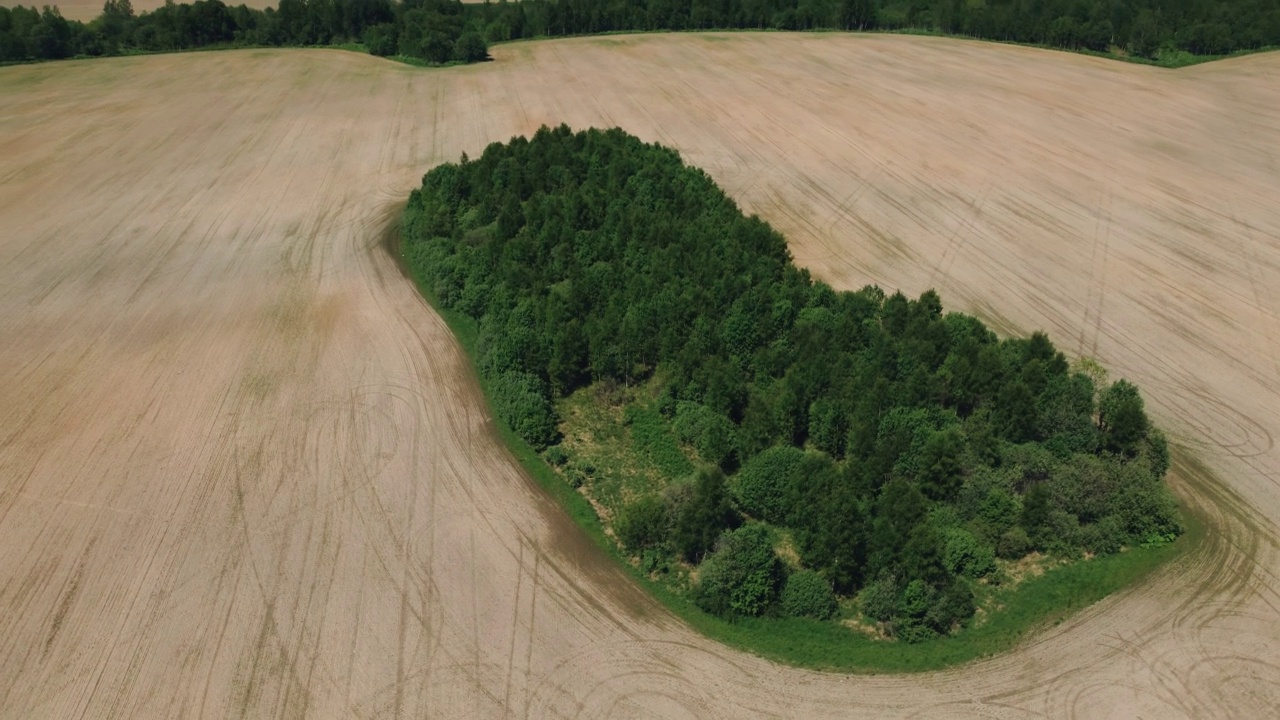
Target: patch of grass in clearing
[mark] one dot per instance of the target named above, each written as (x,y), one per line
(1040,602)
(652,438)
(628,448)
(593,438)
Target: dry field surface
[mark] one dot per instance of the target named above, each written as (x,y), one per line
(245,470)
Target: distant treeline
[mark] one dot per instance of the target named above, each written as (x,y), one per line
(433,31)
(901,449)
(441,31)
(1148,28)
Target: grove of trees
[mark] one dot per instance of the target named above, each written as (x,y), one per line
(434,31)
(440,31)
(1146,28)
(900,449)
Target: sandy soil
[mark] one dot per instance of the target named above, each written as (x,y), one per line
(244,470)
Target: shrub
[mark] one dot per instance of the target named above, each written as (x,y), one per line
(879,599)
(742,576)
(764,486)
(951,607)
(709,432)
(1104,537)
(1013,544)
(807,594)
(701,511)
(520,402)
(380,39)
(965,555)
(557,456)
(642,524)
(998,512)
(470,47)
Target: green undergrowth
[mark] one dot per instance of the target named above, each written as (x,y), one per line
(619,443)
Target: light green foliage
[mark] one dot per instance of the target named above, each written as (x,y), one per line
(653,438)
(556,456)
(742,576)
(808,594)
(965,555)
(711,433)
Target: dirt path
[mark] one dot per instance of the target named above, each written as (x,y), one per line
(244,471)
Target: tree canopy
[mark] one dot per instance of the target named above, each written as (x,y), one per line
(433,31)
(439,31)
(899,447)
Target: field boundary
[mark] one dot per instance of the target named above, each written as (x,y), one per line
(1177,61)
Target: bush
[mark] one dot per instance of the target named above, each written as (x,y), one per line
(556,456)
(381,39)
(470,47)
(951,607)
(766,483)
(642,524)
(742,576)
(701,511)
(998,512)
(1013,544)
(807,594)
(709,432)
(965,555)
(520,401)
(1104,537)
(879,599)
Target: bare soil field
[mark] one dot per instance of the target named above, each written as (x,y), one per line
(245,471)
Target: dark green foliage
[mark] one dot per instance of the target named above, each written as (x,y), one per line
(1145,28)
(880,599)
(643,524)
(1013,544)
(1121,417)
(767,486)
(942,464)
(439,31)
(831,523)
(894,442)
(701,513)
(807,594)
(742,576)
(380,39)
(519,400)
(436,31)
(1035,513)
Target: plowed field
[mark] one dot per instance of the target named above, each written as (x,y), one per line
(245,470)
